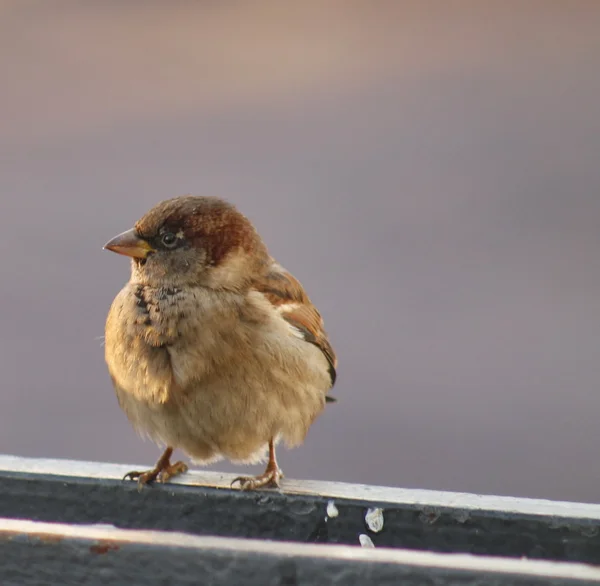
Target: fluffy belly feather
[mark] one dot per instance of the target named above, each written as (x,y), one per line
(225,395)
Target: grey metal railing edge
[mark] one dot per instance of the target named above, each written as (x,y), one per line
(333,490)
(103,539)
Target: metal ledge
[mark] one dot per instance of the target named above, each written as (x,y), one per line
(45,553)
(331,490)
(201,503)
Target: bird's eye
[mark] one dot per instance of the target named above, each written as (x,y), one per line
(168,239)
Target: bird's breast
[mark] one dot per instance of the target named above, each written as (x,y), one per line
(160,339)
(194,369)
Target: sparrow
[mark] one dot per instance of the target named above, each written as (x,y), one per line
(212,346)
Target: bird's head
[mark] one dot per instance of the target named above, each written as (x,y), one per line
(193,241)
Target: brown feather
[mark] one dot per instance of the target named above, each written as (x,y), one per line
(286,294)
(207,222)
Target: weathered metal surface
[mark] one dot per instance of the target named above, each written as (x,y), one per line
(340,490)
(310,512)
(43,553)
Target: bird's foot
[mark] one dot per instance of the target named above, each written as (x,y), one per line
(162,472)
(269,479)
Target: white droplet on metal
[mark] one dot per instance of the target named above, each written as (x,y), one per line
(332,510)
(374,520)
(365,540)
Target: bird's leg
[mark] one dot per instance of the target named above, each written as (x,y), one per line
(161,472)
(270,477)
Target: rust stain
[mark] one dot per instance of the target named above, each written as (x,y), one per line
(49,537)
(103,547)
(43,537)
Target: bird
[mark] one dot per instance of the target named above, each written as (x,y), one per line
(213,348)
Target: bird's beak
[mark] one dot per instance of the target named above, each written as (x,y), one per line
(129,244)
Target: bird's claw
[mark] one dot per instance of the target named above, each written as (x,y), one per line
(133,475)
(173,470)
(157,474)
(270,479)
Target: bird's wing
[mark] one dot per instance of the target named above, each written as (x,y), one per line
(286,294)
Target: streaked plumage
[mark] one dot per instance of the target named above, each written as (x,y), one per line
(212,346)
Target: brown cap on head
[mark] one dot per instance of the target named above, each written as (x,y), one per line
(196,240)
(209,223)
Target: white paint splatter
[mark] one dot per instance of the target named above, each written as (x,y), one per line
(332,510)
(374,520)
(365,540)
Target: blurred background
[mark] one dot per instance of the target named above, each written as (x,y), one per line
(430,171)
